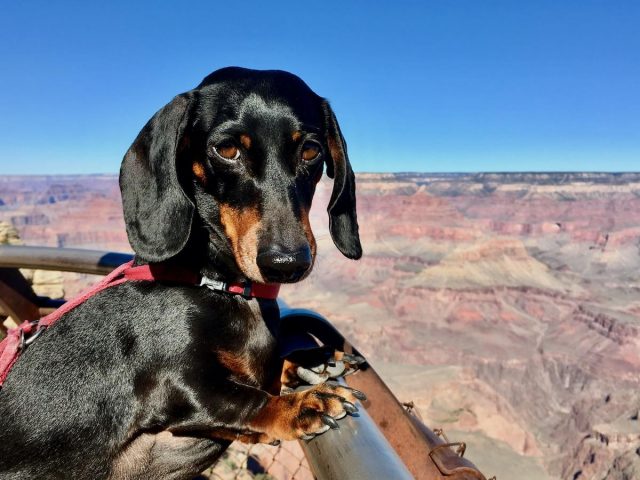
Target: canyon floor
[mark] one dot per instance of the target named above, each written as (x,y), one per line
(505,306)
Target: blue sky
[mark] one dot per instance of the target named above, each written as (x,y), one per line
(450,85)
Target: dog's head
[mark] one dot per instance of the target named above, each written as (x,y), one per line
(236,162)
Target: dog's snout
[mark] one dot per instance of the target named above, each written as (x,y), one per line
(281,264)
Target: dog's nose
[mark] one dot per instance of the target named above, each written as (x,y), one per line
(279,264)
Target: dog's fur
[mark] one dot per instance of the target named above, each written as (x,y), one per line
(151,379)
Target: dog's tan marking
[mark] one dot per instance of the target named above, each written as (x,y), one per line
(245,140)
(241,227)
(237,364)
(291,416)
(297,135)
(199,172)
(277,417)
(289,377)
(306,226)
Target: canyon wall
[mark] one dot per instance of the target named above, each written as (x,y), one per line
(505,306)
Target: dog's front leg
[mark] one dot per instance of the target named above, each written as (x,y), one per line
(301,415)
(251,415)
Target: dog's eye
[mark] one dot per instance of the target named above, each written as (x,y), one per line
(310,151)
(227,150)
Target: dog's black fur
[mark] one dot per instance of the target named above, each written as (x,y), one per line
(153,379)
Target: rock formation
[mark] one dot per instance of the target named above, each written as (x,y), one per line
(506,306)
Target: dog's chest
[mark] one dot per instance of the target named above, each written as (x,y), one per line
(253,355)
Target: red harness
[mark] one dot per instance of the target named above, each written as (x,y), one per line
(16,341)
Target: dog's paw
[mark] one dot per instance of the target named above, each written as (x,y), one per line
(317,410)
(339,365)
(305,414)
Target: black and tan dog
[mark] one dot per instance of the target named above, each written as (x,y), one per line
(154,379)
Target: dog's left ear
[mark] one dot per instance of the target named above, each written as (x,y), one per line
(343,220)
(157,211)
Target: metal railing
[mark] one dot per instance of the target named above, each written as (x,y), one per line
(61,259)
(385,441)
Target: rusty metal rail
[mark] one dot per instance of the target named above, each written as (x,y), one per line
(356,450)
(385,442)
(425,454)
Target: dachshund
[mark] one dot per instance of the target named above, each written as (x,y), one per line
(154,379)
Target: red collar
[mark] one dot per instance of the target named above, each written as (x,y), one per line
(19,338)
(164,273)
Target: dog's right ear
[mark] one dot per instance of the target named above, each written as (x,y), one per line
(157,212)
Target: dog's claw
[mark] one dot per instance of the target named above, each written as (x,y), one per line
(327,420)
(307,437)
(357,359)
(349,407)
(275,443)
(341,365)
(359,395)
(322,430)
(336,369)
(311,377)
